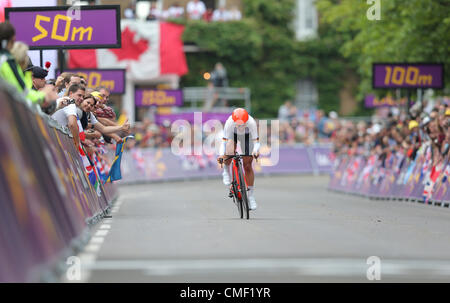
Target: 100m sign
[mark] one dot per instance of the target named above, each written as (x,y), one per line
(71,33)
(408,75)
(411,75)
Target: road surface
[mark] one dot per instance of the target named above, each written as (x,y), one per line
(188,231)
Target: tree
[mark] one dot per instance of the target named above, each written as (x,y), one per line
(409,31)
(261,52)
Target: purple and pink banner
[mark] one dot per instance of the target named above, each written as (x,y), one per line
(67,27)
(389,75)
(148,164)
(114,79)
(146,97)
(190,117)
(395,176)
(46,197)
(372,101)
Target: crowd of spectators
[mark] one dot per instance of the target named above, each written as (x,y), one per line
(84,111)
(194,10)
(149,134)
(306,127)
(309,127)
(396,131)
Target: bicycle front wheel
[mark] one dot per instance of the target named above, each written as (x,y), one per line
(243,189)
(236,195)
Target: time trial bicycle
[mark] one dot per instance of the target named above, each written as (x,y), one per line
(238,186)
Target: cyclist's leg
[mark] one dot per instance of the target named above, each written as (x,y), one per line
(230,150)
(248,168)
(249,174)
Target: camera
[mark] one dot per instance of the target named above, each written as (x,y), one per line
(71,101)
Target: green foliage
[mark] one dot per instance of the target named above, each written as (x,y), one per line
(409,31)
(261,52)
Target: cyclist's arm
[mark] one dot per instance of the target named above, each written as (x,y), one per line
(256,146)
(254,135)
(223,147)
(227,133)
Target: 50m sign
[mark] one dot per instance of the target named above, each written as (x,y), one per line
(53,28)
(408,75)
(66,23)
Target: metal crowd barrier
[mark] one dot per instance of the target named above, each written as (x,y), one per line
(46,201)
(395,178)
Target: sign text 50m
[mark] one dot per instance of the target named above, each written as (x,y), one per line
(53,27)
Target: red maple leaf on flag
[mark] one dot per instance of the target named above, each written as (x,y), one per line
(130,50)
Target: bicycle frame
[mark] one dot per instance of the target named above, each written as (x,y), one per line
(238,186)
(237,161)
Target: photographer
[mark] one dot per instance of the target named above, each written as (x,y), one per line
(67,114)
(75,92)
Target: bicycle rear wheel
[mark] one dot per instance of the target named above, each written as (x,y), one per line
(243,188)
(236,195)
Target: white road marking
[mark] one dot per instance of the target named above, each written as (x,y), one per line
(298,266)
(92,248)
(136,195)
(89,254)
(101,233)
(98,240)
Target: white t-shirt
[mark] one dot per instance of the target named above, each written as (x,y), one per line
(92,119)
(234,15)
(176,12)
(219,15)
(196,9)
(231,126)
(62,115)
(90,116)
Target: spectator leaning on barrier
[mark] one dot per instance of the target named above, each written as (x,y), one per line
(67,115)
(60,82)
(69,80)
(75,95)
(82,80)
(89,90)
(88,106)
(12,72)
(104,111)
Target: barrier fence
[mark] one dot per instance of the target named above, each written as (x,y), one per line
(46,200)
(147,164)
(394,177)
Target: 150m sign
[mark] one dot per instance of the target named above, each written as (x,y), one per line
(408,75)
(53,27)
(113,79)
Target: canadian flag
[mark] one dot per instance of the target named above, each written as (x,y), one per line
(149,49)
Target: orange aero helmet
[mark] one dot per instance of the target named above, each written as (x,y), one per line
(240,116)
